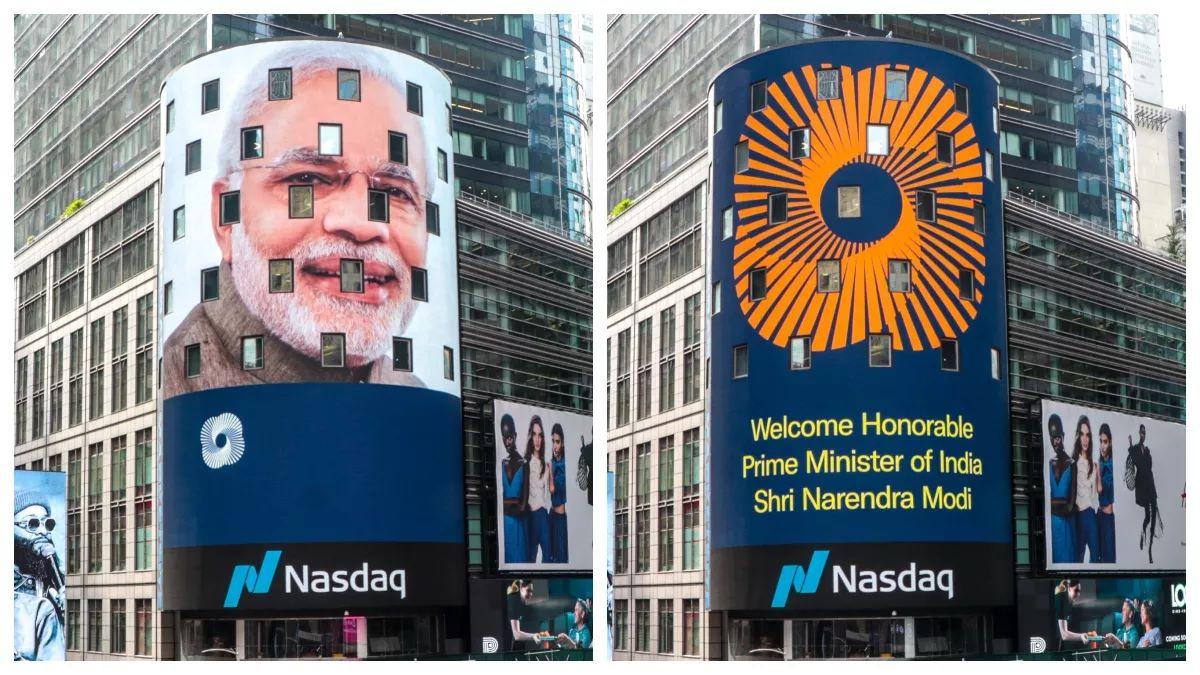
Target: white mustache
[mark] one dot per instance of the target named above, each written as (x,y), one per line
(311,251)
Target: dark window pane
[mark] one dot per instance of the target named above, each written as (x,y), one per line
(252,143)
(741,361)
(420,281)
(433,218)
(192,157)
(210,284)
(333,350)
(401,354)
(758,284)
(192,360)
(211,96)
(758,96)
(352,276)
(415,104)
(377,206)
(397,147)
(231,208)
(949,355)
(777,208)
(741,157)
(280,276)
(300,201)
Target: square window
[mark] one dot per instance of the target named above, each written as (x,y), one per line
(758,96)
(351,274)
(716,298)
(415,104)
(448,363)
(829,276)
(899,276)
(300,201)
(960,98)
(252,352)
(800,353)
(443,166)
(178,224)
(420,284)
(777,208)
(758,283)
(170,116)
(433,218)
(329,139)
(741,157)
(945,148)
(966,284)
(897,85)
(191,157)
(252,143)
(397,147)
(829,85)
(879,348)
(402,354)
(279,84)
(210,284)
(168,297)
(718,117)
(191,360)
(849,201)
(949,354)
(798,143)
(231,208)
(210,98)
(995,363)
(280,275)
(926,206)
(877,139)
(727,223)
(741,362)
(377,206)
(333,350)
(348,85)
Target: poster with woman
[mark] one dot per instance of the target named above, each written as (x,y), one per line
(1114,490)
(543,488)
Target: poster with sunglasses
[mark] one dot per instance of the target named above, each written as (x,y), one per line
(39,565)
(1114,495)
(543,488)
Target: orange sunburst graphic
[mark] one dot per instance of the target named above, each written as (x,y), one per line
(937,250)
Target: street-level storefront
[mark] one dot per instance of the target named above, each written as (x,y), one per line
(865,637)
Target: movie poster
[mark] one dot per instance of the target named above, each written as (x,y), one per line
(543,488)
(1114,490)
(39,565)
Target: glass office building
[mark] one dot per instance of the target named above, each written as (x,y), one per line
(88,133)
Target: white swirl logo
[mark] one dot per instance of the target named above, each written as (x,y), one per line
(222,441)
(1037,645)
(490,645)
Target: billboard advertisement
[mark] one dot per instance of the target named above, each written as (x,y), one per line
(1114,490)
(543,488)
(310,382)
(1102,613)
(39,565)
(858,435)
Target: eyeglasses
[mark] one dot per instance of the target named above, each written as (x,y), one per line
(32,524)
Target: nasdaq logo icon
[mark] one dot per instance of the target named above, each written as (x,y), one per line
(798,579)
(256,581)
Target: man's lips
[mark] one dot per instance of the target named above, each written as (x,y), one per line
(324,274)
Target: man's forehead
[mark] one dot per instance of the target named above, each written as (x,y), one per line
(33,510)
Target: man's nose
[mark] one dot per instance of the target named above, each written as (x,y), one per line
(345,215)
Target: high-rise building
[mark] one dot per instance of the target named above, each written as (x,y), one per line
(1058,214)
(88,185)
(1162,151)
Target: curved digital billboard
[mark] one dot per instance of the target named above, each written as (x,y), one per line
(858,431)
(311,414)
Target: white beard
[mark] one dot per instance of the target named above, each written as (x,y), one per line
(292,316)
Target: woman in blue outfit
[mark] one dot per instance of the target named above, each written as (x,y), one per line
(538,502)
(558,496)
(514,477)
(1087,494)
(1105,518)
(1062,497)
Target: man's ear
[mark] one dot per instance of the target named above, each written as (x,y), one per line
(222,234)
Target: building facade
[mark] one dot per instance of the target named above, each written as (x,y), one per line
(524,288)
(658,155)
